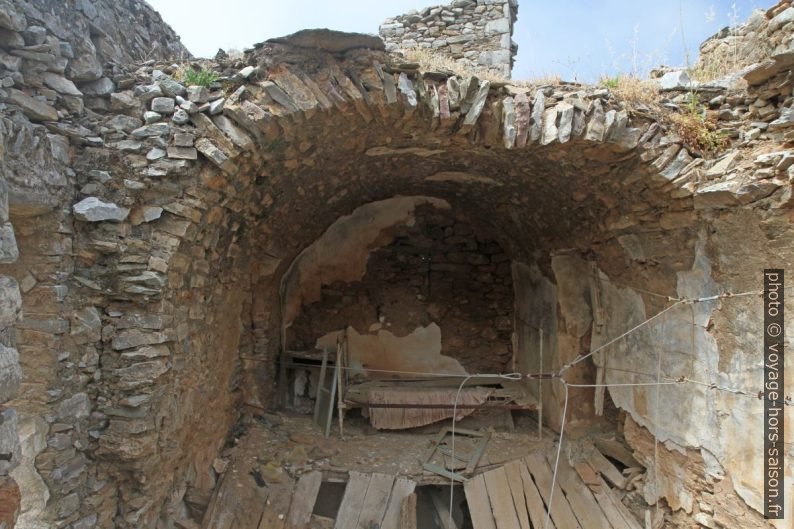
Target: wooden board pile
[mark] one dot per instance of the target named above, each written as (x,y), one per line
(519,496)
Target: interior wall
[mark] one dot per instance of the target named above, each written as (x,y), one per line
(438,269)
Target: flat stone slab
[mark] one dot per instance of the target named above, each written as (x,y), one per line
(331,40)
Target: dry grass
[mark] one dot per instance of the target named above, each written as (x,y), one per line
(633,90)
(716,67)
(429,60)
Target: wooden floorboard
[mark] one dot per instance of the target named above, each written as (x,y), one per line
(276,507)
(479,504)
(504,511)
(237,502)
(617,451)
(402,489)
(537,511)
(604,466)
(622,509)
(561,512)
(513,471)
(408,512)
(610,510)
(352,501)
(303,499)
(580,499)
(375,501)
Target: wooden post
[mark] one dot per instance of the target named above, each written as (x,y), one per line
(540,385)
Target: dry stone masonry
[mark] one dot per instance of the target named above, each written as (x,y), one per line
(147,227)
(476,33)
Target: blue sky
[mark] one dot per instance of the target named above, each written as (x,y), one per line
(576,39)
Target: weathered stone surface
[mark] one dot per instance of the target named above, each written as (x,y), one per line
(212,152)
(11,17)
(182,153)
(99,88)
(171,87)
(331,41)
(10,502)
(10,373)
(163,105)
(92,209)
(32,108)
(198,94)
(566,122)
(86,325)
(9,441)
(130,338)
(77,406)
(155,129)
(141,374)
(536,122)
(10,301)
(675,79)
(476,35)
(60,84)
(150,117)
(180,117)
(9,253)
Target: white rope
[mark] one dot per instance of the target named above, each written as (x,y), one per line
(509,376)
(557,459)
(656,415)
(619,337)
(658,314)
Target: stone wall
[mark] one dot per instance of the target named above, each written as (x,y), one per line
(765,34)
(475,33)
(146,214)
(57,61)
(435,270)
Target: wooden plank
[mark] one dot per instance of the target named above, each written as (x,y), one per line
(513,471)
(537,512)
(580,499)
(479,504)
(440,500)
(588,475)
(300,511)
(237,502)
(504,511)
(408,512)
(542,473)
(277,507)
(616,450)
(610,510)
(213,513)
(352,501)
(375,501)
(622,509)
(604,466)
(321,381)
(402,489)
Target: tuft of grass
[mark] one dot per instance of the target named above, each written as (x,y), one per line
(610,82)
(633,90)
(190,76)
(429,60)
(697,129)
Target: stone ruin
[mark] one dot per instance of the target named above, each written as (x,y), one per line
(162,244)
(475,34)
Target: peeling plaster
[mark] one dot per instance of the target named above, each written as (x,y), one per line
(342,251)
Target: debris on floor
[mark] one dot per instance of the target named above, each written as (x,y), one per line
(284,474)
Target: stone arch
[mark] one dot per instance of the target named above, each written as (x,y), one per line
(176,245)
